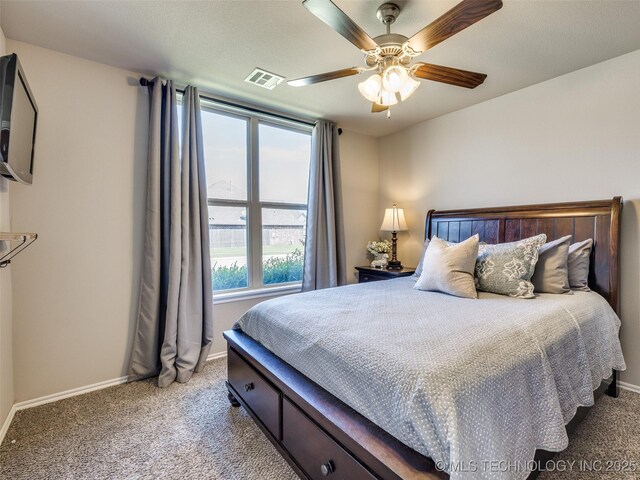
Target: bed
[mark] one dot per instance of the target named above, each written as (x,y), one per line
(333,426)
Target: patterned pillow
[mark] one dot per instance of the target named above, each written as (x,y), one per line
(507,268)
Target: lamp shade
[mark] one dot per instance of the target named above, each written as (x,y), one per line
(394,220)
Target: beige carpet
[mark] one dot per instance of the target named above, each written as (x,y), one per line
(138,431)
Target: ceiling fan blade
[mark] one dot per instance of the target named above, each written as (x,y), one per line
(452,76)
(377,108)
(323,77)
(463,15)
(330,14)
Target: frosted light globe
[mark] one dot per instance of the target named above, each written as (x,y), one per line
(370,88)
(394,78)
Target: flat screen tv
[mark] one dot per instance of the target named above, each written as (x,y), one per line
(18,118)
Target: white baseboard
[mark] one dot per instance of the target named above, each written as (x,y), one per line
(629,386)
(72,393)
(86,389)
(216,356)
(54,397)
(7,422)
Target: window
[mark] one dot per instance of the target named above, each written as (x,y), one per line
(257,182)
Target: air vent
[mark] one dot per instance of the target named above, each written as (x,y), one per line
(265,79)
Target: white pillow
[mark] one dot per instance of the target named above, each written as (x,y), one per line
(448,268)
(418,271)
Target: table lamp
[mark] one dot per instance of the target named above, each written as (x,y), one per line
(394,222)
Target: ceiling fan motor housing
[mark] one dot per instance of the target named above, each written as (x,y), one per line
(387,13)
(390,46)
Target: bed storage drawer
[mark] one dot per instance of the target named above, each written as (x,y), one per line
(257,393)
(315,451)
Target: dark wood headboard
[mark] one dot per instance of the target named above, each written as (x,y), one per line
(599,220)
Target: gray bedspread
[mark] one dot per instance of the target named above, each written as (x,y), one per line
(469,383)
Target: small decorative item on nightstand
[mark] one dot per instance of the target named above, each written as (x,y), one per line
(394,222)
(380,252)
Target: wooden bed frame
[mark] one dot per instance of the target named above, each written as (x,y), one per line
(320,436)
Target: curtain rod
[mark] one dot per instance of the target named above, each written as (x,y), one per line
(145,82)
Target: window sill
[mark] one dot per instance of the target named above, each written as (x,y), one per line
(237,296)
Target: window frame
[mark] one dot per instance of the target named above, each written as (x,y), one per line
(253,205)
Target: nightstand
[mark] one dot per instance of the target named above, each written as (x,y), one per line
(370,274)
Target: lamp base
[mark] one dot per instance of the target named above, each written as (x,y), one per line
(394,265)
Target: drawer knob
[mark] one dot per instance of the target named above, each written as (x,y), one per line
(248,387)
(327,468)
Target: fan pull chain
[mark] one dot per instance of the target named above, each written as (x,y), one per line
(388,113)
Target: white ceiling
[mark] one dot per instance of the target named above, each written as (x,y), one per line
(215,45)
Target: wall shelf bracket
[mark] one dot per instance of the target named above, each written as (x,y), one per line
(23,239)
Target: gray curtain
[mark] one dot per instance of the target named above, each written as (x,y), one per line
(324,254)
(175,324)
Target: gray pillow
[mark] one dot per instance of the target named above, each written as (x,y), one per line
(448,268)
(578,264)
(552,274)
(507,268)
(418,271)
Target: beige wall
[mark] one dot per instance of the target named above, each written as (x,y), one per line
(75,291)
(360,179)
(6,321)
(576,137)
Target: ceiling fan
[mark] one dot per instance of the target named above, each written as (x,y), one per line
(389,56)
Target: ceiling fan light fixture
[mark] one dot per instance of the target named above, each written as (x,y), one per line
(387,98)
(394,78)
(390,55)
(371,88)
(408,88)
